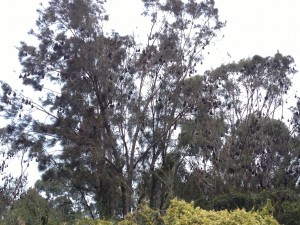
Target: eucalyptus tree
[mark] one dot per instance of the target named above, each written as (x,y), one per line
(294,169)
(255,91)
(112,104)
(238,139)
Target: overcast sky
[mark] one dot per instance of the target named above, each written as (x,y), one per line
(253,27)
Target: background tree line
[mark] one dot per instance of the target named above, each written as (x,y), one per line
(135,121)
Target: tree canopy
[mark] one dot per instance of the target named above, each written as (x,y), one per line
(129,121)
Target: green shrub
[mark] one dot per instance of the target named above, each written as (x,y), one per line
(290,213)
(143,216)
(286,203)
(182,213)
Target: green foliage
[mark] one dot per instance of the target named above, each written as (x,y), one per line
(181,213)
(143,215)
(232,201)
(30,209)
(88,221)
(285,203)
(116,102)
(290,214)
(112,120)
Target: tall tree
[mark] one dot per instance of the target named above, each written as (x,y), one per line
(239,141)
(117,102)
(254,91)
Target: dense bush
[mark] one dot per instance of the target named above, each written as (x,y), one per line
(181,213)
(286,203)
(222,209)
(143,215)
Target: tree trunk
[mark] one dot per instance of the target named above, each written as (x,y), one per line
(153,189)
(127,193)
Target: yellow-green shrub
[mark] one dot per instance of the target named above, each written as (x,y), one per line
(183,213)
(143,216)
